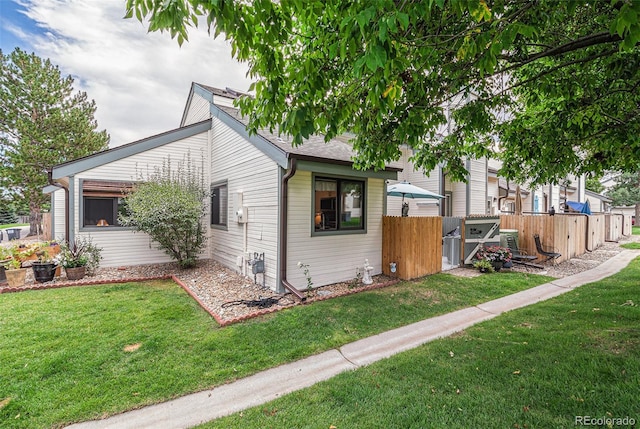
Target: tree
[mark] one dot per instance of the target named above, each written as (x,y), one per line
(555,83)
(42,123)
(169,206)
(626,192)
(593,184)
(7,212)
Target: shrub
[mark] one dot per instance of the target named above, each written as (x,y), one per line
(81,252)
(169,207)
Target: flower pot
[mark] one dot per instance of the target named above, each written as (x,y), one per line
(43,272)
(75,273)
(16,278)
(497,265)
(3,277)
(507,264)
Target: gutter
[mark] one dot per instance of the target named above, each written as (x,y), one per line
(283,232)
(66,203)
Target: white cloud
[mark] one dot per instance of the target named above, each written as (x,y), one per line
(140,81)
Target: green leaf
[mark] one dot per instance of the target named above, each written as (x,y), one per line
(403,19)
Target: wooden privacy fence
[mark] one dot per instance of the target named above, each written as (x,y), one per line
(414,244)
(617,225)
(595,231)
(565,234)
(46,226)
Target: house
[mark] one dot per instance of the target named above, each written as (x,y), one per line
(268,199)
(598,202)
(461,199)
(484,192)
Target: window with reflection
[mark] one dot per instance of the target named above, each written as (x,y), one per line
(102,202)
(339,204)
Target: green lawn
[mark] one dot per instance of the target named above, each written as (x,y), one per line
(633,245)
(70,354)
(537,367)
(635,230)
(12,225)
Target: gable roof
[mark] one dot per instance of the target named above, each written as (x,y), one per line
(275,146)
(100,158)
(278,146)
(597,195)
(314,148)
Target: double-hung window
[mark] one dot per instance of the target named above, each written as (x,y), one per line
(102,201)
(338,204)
(219,204)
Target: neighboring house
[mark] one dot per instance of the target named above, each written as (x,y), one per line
(305,204)
(461,198)
(598,202)
(484,193)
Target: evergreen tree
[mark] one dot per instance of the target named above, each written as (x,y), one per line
(626,192)
(7,212)
(42,123)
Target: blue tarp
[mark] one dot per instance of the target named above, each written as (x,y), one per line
(580,207)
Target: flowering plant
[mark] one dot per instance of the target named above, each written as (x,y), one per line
(494,254)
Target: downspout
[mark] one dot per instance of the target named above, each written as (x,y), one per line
(66,203)
(283,232)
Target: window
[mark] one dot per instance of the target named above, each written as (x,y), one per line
(219,204)
(102,201)
(339,204)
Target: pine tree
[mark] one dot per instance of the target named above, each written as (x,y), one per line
(42,123)
(7,212)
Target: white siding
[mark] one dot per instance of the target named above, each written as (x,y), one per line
(459,198)
(246,169)
(493,194)
(59,215)
(478,186)
(121,246)
(331,258)
(596,204)
(554,197)
(198,110)
(430,182)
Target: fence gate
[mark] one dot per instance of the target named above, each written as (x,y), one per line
(479,231)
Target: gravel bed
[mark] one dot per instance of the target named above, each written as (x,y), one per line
(226,293)
(578,264)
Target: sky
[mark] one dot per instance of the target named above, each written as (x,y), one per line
(140,81)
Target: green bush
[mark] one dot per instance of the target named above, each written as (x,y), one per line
(169,207)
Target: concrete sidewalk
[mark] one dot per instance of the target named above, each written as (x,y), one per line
(265,386)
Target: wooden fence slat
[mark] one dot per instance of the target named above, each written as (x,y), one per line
(565,234)
(414,244)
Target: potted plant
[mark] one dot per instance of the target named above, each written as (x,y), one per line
(496,255)
(16,275)
(483,266)
(44,268)
(5,256)
(79,257)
